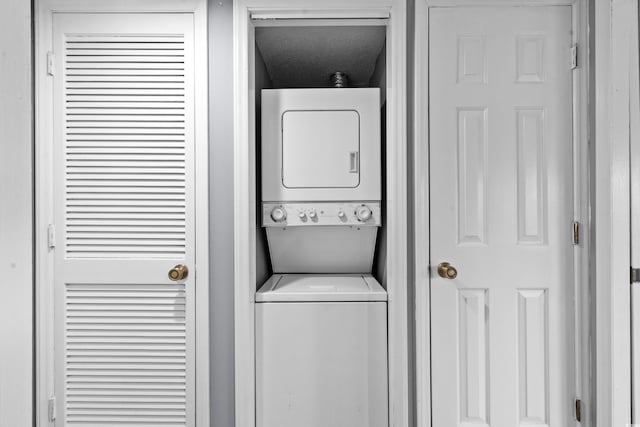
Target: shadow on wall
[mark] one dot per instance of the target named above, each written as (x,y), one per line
(221,212)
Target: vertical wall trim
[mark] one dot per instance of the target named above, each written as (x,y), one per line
(411,212)
(16,214)
(613,23)
(244,219)
(634,138)
(420,197)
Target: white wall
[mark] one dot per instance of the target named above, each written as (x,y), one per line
(16,206)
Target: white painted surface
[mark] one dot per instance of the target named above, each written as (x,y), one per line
(16,215)
(613,27)
(634,144)
(582,157)
(321,364)
(124,209)
(321,144)
(163,186)
(582,202)
(501,212)
(420,215)
(635,348)
(634,151)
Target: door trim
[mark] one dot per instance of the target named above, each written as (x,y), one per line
(421,197)
(615,21)
(341,13)
(43,25)
(634,132)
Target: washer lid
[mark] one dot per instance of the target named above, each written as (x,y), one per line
(320,287)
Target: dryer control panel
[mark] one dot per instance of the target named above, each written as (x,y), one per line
(321,214)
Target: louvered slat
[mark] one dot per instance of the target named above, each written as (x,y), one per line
(125,141)
(125,354)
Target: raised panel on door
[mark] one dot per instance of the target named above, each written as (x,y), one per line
(320,149)
(124,213)
(501,184)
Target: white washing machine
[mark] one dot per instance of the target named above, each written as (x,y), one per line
(321,352)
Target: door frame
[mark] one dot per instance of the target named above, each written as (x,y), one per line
(634,160)
(615,23)
(341,13)
(44,256)
(582,198)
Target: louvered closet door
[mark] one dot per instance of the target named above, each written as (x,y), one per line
(124,216)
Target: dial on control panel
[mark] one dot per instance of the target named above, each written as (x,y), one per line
(278,214)
(363,213)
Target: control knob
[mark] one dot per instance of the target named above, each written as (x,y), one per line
(278,214)
(363,213)
(312,214)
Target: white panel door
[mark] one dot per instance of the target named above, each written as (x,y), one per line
(320,149)
(124,215)
(501,213)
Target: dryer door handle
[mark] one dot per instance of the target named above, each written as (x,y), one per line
(354,162)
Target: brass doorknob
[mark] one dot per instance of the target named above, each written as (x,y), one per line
(179,272)
(447,271)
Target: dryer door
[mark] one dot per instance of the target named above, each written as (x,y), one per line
(320,149)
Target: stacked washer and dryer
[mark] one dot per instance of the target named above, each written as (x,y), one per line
(321,318)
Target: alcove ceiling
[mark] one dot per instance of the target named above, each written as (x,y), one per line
(307,56)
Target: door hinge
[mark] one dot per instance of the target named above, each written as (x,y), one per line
(578,410)
(574,56)
(51,236)
(50,59)
(635,275)
(576,233)
(52,409)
